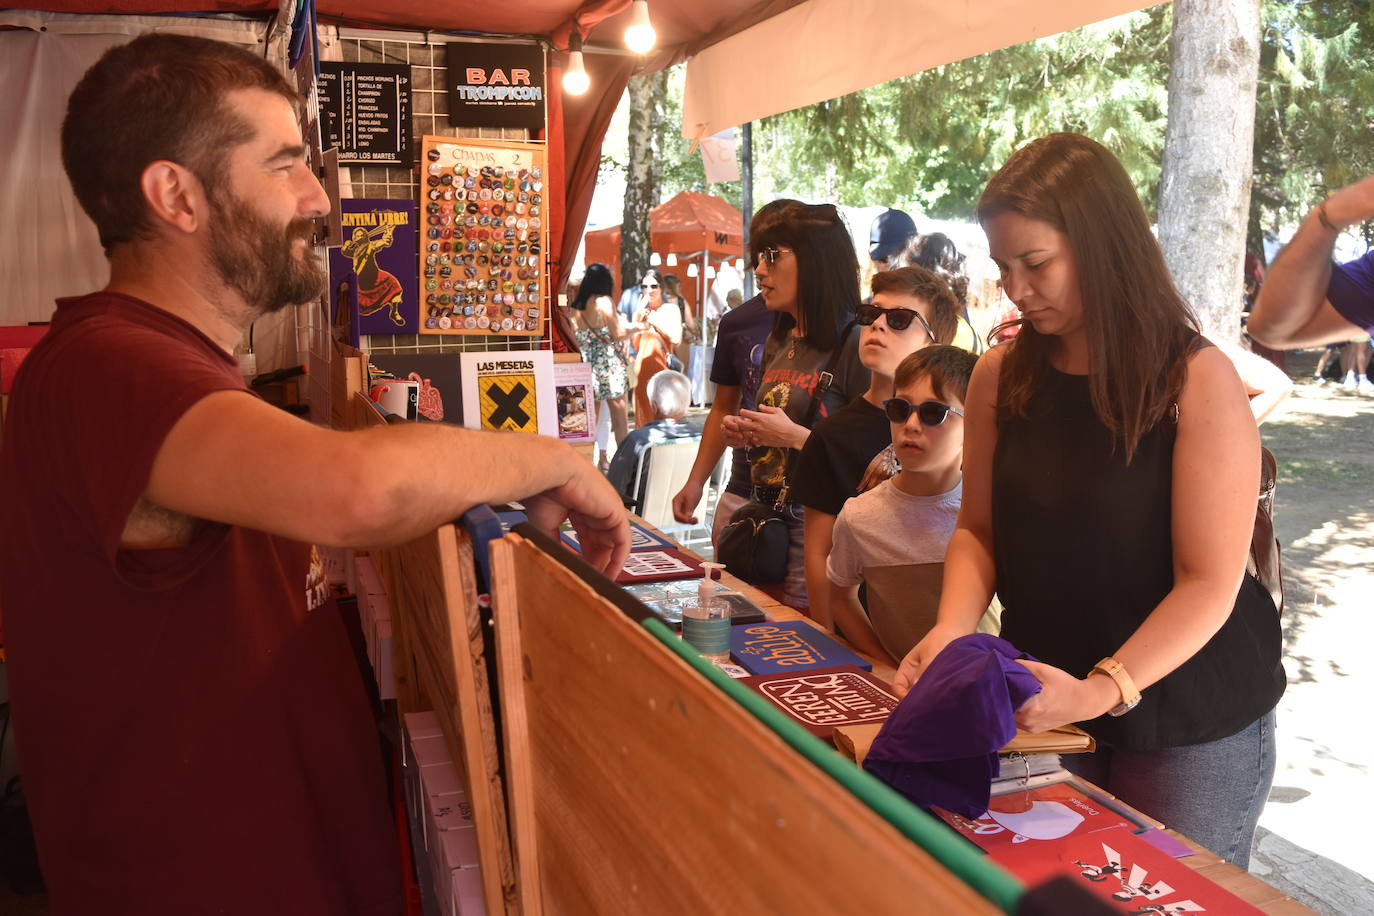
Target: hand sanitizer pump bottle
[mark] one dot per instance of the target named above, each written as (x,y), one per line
(706,622)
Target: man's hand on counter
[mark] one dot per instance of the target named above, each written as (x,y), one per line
(595,510)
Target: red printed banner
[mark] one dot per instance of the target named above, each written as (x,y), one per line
(1037,816)
(1125,872)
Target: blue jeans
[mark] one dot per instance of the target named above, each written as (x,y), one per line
(1212,793)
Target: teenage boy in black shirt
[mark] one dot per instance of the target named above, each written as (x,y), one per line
(911,309)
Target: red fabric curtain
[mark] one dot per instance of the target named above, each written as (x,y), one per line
(577,126)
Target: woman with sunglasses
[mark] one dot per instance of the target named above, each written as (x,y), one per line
(911,309)
(672,295)
(1111,468)
(808,276)
(659,327)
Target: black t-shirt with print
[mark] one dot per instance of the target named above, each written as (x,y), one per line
(790,376)
(836,455)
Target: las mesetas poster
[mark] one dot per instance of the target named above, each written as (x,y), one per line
(373,275)
(510,390)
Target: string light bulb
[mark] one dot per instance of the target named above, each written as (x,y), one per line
(692,269)
(640,36)
(575,78)
(655,259)
(710,271)
(672,259)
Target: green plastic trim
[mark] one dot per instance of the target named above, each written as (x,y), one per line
(934,837)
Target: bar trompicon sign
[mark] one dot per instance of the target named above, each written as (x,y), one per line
(496,85)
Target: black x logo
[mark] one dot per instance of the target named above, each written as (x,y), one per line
(508,405)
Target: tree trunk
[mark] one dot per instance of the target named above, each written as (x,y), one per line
(664,133)
(1204,188)
(640,182)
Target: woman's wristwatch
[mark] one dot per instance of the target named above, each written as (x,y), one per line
(1130,696)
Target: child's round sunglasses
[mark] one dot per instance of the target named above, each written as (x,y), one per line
(930,413)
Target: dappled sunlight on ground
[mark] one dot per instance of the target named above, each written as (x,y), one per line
(1322,801)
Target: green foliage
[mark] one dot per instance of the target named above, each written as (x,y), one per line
(676,168)
(1315,108)
(934,138)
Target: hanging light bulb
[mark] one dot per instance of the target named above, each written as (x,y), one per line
(739,264)
(640,35)
(692,269)
(672,259)
(655,259)
(575,78)
(710,271)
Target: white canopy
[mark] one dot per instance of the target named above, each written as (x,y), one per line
(821,49)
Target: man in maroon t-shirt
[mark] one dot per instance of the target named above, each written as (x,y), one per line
(192,728)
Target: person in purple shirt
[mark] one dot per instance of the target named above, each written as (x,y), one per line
(735,371)
(1306,299)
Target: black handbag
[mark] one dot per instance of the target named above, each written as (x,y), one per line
(754,545)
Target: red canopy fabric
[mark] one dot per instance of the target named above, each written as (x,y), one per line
(689,224)
(577,125)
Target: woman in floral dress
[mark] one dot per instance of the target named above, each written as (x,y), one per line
(602,342)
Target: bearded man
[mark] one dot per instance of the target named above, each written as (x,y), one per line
(192,727)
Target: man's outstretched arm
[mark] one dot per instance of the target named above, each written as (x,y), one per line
(233,458)
(1292,309)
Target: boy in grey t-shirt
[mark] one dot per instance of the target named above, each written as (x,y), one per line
(894,536)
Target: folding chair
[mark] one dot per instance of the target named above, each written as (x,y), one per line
(662,471)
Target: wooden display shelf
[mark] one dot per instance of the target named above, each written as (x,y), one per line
(614,771)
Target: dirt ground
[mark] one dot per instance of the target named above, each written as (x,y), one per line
(1321,807)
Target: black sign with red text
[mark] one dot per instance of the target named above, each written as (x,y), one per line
(495,85)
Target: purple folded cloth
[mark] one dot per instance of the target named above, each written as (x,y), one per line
(939,746)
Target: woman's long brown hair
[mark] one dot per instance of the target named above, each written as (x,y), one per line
(1139,328)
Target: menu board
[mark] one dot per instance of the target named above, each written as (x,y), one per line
(366,112)
(484,208)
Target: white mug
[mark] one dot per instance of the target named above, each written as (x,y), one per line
(400,397)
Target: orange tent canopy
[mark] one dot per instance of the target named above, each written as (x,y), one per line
(690,224)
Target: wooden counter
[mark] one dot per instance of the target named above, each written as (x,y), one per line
(1244,885)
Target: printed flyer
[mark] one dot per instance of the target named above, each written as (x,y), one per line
(510,390)
(575,393)
(372,275)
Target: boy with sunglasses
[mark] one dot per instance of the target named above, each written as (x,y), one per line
(893,537)
(911,308)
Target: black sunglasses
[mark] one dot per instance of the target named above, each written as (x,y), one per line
(930,413)
(648,286)
(897,319)
(769,255)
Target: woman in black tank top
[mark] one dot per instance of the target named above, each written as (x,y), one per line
(1110,475)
